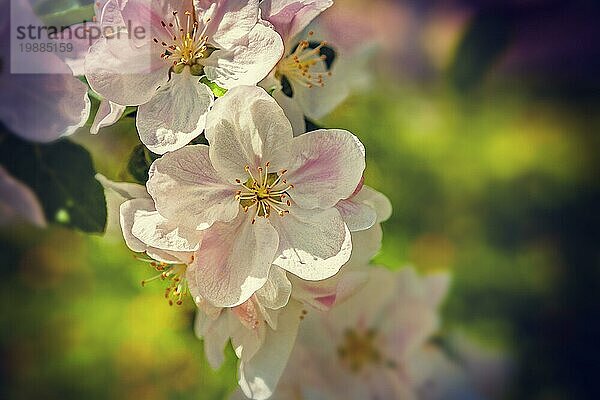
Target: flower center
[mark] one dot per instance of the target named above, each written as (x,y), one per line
(359,349)
(299,67)
(177,287)
(189,44)
(268,192)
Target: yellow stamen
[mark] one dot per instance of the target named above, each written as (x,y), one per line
(267,193)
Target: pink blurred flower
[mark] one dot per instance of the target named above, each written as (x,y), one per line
(39,107)
(364,347)
(18,203)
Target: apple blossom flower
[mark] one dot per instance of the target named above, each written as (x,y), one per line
(18,203)
(303,67)
(39,107)
(259,196)
(364,348)
(308,81)
(217,40)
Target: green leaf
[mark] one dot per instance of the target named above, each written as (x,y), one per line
(66,16)
(61,174)
(216,89)
(139,163)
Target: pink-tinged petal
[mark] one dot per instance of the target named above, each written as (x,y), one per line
(323,295)
(358,216)
(175,115)
(327,167)
(125,190)
(377,200)
(233,261)
(187,189)
(127,211)
(18,203)
(247,128)
(248,314)
(290,17)
(215,334)
(149,14)
(108,114)
(230,20)
(248,61)
(124,73)
(313,245)
(292,111)
(155,231)
(117,193)
(364,208)
(259,375)
(276,292)
(43,108)
(247,341)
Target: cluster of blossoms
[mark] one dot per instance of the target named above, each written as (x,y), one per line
(267,227)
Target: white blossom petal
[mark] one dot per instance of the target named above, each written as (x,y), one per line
(155,231)
(363,210)
(290,17)
(313,245)
(215,334)
(176,114)
(124,73)
(247,128)
(230,20)
(317,102)
(365,245)
(108,114)
(276,292)
(377,200)
(233,261)
(357,215)
(187,189)
(259,375)
(327,167)
(292,111)
(323,295)
(126,190)
(248,61)
(127,211)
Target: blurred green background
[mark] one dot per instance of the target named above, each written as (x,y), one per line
(480,126)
